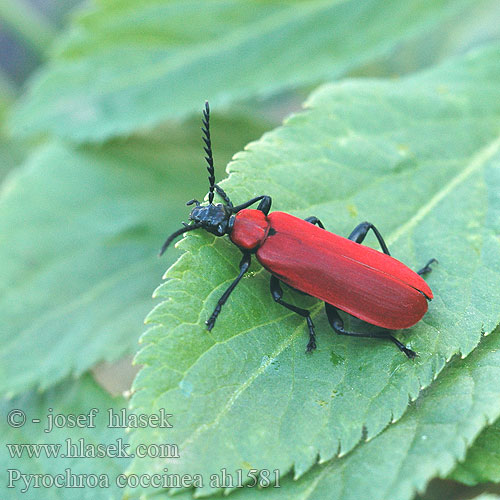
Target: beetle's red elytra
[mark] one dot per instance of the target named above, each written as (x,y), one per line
(345,274)
(368,284)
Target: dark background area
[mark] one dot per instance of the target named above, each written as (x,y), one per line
(26,30)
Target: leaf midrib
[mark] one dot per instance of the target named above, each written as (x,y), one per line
(477,161)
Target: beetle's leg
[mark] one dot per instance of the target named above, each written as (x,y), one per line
(427,268)
(264,205)
(315,220)
(338,325)
(224,196)
(277,293)
(244,265)
(359,234)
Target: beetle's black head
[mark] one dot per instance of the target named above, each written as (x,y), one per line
(214,218)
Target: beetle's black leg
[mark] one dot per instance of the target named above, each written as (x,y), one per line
(224,196)
(338,325)
(244,265)
(315,220)
(277,293)
(264,205)
(427,268)
(359,234)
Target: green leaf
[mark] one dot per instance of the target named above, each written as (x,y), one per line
(482,463)
(427,442)
(126,66)
(420,158)
(440,489)
(81,230)
(77,397)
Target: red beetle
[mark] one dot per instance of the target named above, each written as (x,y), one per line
(366,283)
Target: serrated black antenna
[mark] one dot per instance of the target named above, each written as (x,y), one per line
(224,196)
(174,235)
(208,150)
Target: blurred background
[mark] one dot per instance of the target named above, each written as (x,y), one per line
(27,28)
